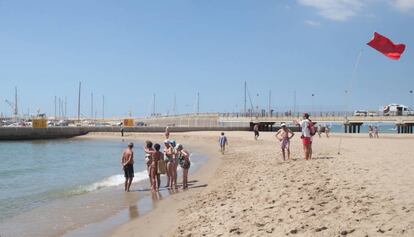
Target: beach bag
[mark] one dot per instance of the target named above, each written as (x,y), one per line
(162,167)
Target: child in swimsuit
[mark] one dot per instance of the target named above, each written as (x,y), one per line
(148,157)
(168,157)
(156,157)
(284,139)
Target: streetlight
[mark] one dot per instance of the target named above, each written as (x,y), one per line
(411,94)
(313,96)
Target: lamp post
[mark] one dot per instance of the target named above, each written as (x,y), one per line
(411,95)
(313,96)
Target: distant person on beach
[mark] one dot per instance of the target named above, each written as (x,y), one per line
(127,162)
(376,130)
(284,134)
(370,131)
(319,130)
(149,151)
(223,142)
(183,158)
(169,158)
(327,130)
(306,126)
(157,156)
(167,132)
(122,131)
(256,131)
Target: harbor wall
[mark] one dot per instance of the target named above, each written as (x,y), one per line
(28,133)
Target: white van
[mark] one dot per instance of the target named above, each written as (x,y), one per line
(397,110)
(360,113)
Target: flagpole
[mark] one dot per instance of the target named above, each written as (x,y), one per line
(348,93)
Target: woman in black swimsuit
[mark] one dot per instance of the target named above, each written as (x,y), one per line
(183,158)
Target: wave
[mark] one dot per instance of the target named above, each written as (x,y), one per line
(111,181)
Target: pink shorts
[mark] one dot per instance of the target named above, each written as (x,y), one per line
(306,140)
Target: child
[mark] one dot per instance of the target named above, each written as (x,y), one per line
(223,142)
(155,177)
(284,139)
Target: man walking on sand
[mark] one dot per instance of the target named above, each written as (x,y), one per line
(127,162)
(223,142)
(284,135)
(306,137)
(256,131)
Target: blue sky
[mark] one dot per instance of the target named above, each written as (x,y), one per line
(128,50)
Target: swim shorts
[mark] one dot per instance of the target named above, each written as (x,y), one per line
(284,144)
(306,140)
(129,171)
(256,133)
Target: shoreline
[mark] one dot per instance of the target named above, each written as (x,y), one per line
(110,224)
(88,209)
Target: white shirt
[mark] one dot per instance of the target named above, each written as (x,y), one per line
(305,128)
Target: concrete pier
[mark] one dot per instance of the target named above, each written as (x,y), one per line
(405,128)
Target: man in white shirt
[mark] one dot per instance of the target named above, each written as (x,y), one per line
(306,137)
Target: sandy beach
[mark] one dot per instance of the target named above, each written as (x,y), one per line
(367,190)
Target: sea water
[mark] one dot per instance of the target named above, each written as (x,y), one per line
(33,173)
(382,127)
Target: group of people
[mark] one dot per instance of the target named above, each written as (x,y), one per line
(373,131)
(284,134)
(158,163)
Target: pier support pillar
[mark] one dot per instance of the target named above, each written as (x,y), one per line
(352,127)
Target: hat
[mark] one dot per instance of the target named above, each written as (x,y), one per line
(283,124)
(178,146)
(167,141)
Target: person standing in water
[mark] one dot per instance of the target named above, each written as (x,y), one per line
(149,151)
(155,177)
(284,135)
(183,158)
(223,142)
(169,158)
(127,162)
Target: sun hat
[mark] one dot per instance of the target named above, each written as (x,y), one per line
(179,146)
(283,124)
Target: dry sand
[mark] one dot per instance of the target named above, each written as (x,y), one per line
(367,190)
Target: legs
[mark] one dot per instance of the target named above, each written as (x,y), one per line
(283,153)
(129,181)
(158,182)
(185,178)
(288,153)
(306,150)
(175,166)
(169,174)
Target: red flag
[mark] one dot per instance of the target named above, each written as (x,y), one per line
(386,46)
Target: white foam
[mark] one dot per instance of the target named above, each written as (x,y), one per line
(114,180)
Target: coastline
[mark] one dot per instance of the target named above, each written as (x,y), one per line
(198,180)
(365,190)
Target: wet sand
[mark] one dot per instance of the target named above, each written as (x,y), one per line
(367,190)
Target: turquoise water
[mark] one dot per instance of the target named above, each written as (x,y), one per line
(383,127)
(36,172)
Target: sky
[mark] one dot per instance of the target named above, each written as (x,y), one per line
(127,51)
